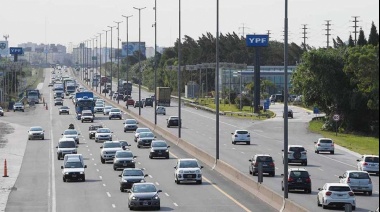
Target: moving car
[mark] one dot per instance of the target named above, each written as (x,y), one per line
(130,125)
(36,133)
(148,102)
(140,130)
(71,133)
(159,148)
(161,110)
(103,134)
(359,181)
(145,139)
(369,163)
(73,169)
(296,154)
(324,145)
(241,136)
(87,116)
(107,109)
(124,159)
(138,104)
(64,109)
(130,101)
(58,101)
(131,176)
(266,160)
(108,150)
(99,107)
(144,195)
(298,179)
(173,121)
(115,113)
(66,146)
(187,170)
(336,195)
(1,111)
(92,130)
(18,106)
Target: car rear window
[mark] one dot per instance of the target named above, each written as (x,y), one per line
(301,174)
(325,141)
(359,175)
(241,132)
(339,188)
(264,159)
(296,149)
(372,159)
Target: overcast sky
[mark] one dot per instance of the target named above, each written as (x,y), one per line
(73,21)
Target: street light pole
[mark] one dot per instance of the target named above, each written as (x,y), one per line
(286,102)
(100,62)
(179,71)
(217,81)
(139,9)
(118,58)
(127,22)
(155,61)
(105,63)
(111,63)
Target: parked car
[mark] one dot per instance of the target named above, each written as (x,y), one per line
(336,195)
(161,110)
(36,133)
(159,148)
(359,181)
(144,195)
(296,154)
(324,145)
(188,170)
(173,121)
(369,163)
(130,176)
(266,160)
(298,179)
(241,136)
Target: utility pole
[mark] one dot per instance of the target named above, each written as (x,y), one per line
(118,58)
(328,32)
(243,28)
(268,33)
(126,58)
(304,35)
(155,61)
(355,27)
(111,63)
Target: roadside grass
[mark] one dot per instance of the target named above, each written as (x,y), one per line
(356,143)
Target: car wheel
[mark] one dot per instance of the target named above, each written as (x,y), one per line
(324,206)
(273,174)
(138,146)
(43,138)
(248,143)
(164,114)
(102,160)
(369,193)
(332,152)
(233,142)
(109,118)
(114,168)
(84,179)
(167,156)
(64,179)
(316,151)
(58,157)
(82,121)
(121,189)
(318,203)
(28,138)
(92,121)
(199,181)
(168,126)
(177,181)
(150,156)
(250,172)
(353,208)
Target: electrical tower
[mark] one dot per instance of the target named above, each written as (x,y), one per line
(268,33)
(328,32)
(355,27)
(243,29)
(304,35)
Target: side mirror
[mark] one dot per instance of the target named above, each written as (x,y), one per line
(319,189)
(146,175)
(85,166)
(232,133)
(168,146)
(340,177)
(128,191)
(159,191)
(358,160)
(78,133)
(250,160)
(62,134)
(56,147)
(282,150)
(76,146)
(201,167)
(134,156)
(119,175)
(315,142)
(61,167)
(175,167)
(101,147)
(282,174)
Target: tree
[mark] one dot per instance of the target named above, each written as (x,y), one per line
(351,42)
(373,36)
(361,40)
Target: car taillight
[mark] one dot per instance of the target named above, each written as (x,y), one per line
(255,164)
(365,164)
(304,153)
(271,164)
(308,180)
(328,193)
(351,193)
(348,180)
(290,179)
(332,144)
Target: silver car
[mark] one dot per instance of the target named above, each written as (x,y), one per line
(107,110)
(36,133)
(324,145)
(144,195)
(359,181)
(369,163)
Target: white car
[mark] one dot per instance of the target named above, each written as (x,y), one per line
(66,146)
(139,130)
(336,195)
(73,169)
(71,134)
(359,181)
(161,110)
(36,133)
(108,150)
(188,170)
(107,109)
(99,108)
(18,106)
(296,154)
(241,136)
(115,113)
(1,111)
(324,145)
(103,134)
(369,163)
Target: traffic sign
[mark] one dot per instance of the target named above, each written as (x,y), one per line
(16,50)
(336,117)
(316,110)
(257,40)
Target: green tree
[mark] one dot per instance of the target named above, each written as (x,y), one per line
(351,42)
(361,40)
(373,36)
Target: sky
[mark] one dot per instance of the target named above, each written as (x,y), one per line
(69,22)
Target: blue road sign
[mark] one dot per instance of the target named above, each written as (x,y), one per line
(16,50)
(257,40)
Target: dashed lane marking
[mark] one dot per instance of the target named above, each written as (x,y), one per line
(113,205)
(175,204)
(108,194)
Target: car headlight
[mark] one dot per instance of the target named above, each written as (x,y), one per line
(134,198)
(66,173)
(167,150)
(156,197)
(180,171)
(198,171)
(81,172)
(151,150)
(142,181)
(124,180)
(133,161)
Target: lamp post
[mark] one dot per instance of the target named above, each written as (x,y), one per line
(118,58)
(179,71)
(100,61)
(111,62)
(126,58)
(217,81)
(139,9)
(155,61)
(96,62)
(105,63)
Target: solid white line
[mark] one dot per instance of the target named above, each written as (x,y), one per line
(90,154)
(175,204)
(94,164)
(97,170)
(320,169)
(108,194)
(338,161)
(150,176)
(93,159)
(53,195)
(242,153)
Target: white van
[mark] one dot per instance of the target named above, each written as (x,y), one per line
(66,146)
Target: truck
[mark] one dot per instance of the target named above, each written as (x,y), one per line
(84,101)
(70,88)
(125,87)
(33,96)
(163,96)
(58,87)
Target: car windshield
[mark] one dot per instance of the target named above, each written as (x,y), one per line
(64,107)
(146,135)
(242,132)
(70,132)
(339,188)
(372,159)
(58,99)
(133,173)
(115,110)
(124,155)
(18,104)
(140,130)
(111,145)
(159,144)
(264,159)
(103,130)
(99,105)
(296,149)
(95,127)
(325,141)
(67,144)
(358,175)
(143,188)
(130,121)
(188,164)
(299,174)
(87,114)
(76,164)
(36,129)
(108,108)
(173,118)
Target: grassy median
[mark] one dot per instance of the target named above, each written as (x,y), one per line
(356,143)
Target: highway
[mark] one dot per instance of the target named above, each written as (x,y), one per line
(267,137)
(40,186)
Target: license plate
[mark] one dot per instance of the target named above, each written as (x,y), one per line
(299,180)
(74,175)
(160,153)
(145,203)
(125,164)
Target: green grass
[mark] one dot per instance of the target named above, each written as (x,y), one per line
(356,143)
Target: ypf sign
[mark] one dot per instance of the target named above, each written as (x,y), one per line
(257,40)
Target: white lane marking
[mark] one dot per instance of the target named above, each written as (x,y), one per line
(167,194)
(88,150)
(87,146)
(108,194)
(157,183)
(101,177)
(233,148)
(113,205)
(150,176)
(276,168)
(94,164)
(175,204)
(320,169)
(90,154)
(53,191)
(104,185)
(93,159)
(97,170)
(336,175)
(338,161)
(242,153)
(139,163)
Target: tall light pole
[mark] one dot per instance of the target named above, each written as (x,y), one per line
(105,63)
(100,61)
(96,62)
(126,58)
(118,58)
(155,61)
(179,71)
(111,62)
(139,9)
(217,81)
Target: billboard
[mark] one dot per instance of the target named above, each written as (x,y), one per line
(132,48)
(4,49)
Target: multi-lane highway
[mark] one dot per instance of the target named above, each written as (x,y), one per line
(39,186)
(267,137)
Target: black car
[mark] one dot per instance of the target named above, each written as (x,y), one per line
(290,114)
(120,97)
(266,160)
(148,102)
(298,179)
(92,130)
(131,176)
(159,149)
(138,104)
(173,121)
(124,159)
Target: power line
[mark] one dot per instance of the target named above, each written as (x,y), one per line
(355,26)
(328,32)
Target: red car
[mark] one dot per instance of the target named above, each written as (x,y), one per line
(130,102)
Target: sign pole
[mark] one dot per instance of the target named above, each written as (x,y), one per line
(257,82)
